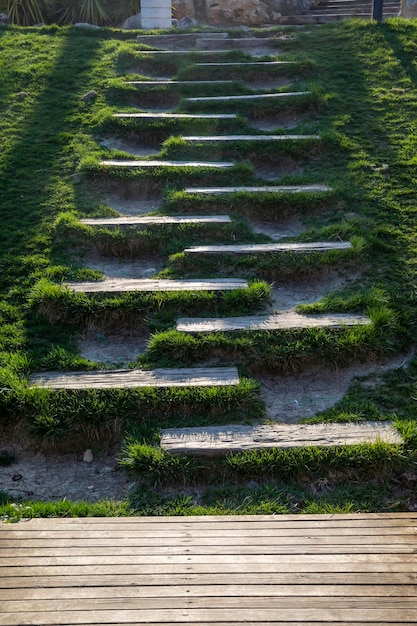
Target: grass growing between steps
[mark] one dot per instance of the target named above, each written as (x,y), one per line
(152,240)
(55,103)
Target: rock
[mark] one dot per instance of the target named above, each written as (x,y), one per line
(182,9)
(237,12)
(149,272)
(134,22)
(252,484)
(16,477)
(4,18)
(186,22)
(86,25)
(290,7)
(88,456)
(90,96)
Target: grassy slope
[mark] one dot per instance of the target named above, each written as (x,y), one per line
(368,78)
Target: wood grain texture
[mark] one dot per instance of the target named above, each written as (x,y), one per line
(231,138)
(218,191)
(173,116)
(141,222)
(170,164)
(211,440)
(128,379)
(256,96)
(268,248)
(121,285)
(203,571)
(284,320)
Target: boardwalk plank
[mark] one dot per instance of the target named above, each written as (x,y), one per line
(281,321)
(231,138)
(185,585)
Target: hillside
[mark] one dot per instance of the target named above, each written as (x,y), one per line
(346,142)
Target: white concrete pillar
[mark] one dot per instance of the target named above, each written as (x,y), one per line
(156,14)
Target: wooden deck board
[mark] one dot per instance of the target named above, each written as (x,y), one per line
(129,379)
(231,138)
(209,586)
(265,248)
(122,285)
(350,570)
(285,320)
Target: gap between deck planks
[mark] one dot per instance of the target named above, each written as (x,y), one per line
(206,574)
(130,379)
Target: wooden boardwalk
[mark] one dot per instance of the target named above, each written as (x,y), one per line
(294,570)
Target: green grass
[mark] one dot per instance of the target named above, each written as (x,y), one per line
(363,78)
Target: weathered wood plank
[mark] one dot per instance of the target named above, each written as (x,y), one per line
(128,379)
(281,321)
(221,191)
(243,64)
(170,164)
(121,285)
(382,614)
(173,116)
(231,138)
(201,591)
(168,83)
(231,521)
(221,439)
(266,248)
(140,221)
(256,96)
(24,584)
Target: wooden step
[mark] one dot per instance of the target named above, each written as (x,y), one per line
(179,83)
(122,285)
(212,440)
(142,222)
(177,39)
(170,164)
(256,96)
(230,138)
(222,191)
(282,321)
(271,248)
(177,116)
(181,52)
(129,379)
(246,63)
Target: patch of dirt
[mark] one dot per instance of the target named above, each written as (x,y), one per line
(280,120)
(132,206)
(109,349)
(292,228)
(41,477)
(288,399)
(287,296)
(119,268)
(134,149)
(273,171)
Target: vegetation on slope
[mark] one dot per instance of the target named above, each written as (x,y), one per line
(56,104)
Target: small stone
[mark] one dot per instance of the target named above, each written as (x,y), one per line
(16,477)
(88,456)
(149,272)
(252,484)
(134,22)
(86,25)
(90,96)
